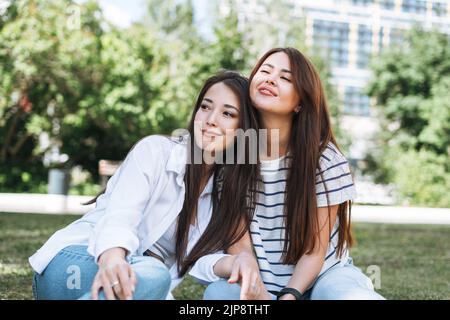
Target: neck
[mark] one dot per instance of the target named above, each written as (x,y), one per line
(283,124)
(206,173)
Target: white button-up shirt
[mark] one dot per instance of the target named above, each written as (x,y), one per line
(142,199)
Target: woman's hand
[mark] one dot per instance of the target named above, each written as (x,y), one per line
(245,270)
(115,276)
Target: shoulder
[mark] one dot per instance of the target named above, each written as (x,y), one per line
(153,150)
(331,157)
(334,181)
(154,145)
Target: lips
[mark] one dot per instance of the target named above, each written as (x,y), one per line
(267,91)
(209,134)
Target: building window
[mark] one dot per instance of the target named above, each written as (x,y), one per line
(387,4)
(364,50)
(414,6)
(362,2)
(397,36)
(380,38)
(439,9)
(355,102)
(332,37)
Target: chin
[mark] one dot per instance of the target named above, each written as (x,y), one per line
(262,107)
(208,147)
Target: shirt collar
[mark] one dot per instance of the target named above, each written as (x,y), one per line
(209,186)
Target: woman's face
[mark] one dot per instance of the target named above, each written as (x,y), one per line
(272,88)
(217,119)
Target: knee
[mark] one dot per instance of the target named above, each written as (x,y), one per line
(222,290)
(163,278)
(153,281)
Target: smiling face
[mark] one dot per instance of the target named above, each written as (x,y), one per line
(272,89)
(217,119)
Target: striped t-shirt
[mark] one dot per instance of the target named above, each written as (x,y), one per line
(267,227)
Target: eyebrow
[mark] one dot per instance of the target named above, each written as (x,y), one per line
(230,106)
(225,105)
(271,66)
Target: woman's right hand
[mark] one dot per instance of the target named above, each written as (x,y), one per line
(245,270)
(115,276)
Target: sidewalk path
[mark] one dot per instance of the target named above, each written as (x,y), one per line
(58,204)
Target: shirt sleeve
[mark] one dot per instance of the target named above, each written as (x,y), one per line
(334,181)
(203,269)
(129,192)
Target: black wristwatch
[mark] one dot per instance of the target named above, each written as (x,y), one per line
(297,294)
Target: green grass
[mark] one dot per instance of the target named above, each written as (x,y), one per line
(413,259)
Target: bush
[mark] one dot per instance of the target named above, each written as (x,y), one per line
(422,177)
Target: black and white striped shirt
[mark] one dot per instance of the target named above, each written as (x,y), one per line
(267,227)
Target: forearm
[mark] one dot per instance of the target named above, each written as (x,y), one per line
(223,266)
(243,245)
(308,267)
(306,271)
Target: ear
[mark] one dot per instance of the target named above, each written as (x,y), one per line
(297,109)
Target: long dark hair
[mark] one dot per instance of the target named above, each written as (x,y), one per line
(232,211)
(233,208)
(311,132)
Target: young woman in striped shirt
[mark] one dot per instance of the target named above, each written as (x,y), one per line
(297,246)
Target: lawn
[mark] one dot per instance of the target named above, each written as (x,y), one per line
(413,259)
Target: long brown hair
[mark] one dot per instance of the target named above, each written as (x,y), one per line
(231,207)
(232,211)
(311,132)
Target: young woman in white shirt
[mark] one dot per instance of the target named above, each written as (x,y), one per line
(299,235)
(155,217)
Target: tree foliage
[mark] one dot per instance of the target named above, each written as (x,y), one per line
(75,89)
(412,87)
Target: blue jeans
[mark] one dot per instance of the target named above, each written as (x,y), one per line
(70,274)
(337,283)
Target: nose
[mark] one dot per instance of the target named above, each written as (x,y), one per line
(270,80)
(211,120)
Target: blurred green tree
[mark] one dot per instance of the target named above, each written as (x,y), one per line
(47,53)
(75,89)
(411,84)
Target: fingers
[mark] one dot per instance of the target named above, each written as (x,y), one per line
(234,277)
(116,282)
(96,285)
(248,286)
(125,287)
(255,287)
(251,286)
(133,278)
(106,285)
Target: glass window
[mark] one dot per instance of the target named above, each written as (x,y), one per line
(362,2)
(439,8)
(414,6)
(332,37)
(364,50)
(356,103)
(387,4)
(397,36)
(380,38)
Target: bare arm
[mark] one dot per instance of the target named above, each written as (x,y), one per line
(242,267)
(224,266)
(309,266)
